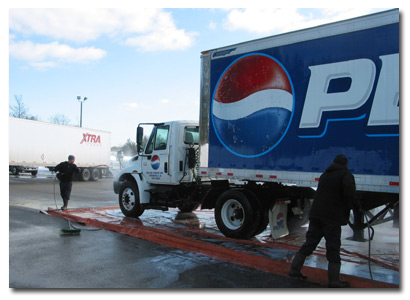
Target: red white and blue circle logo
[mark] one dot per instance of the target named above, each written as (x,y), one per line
(252,105)
(155,162)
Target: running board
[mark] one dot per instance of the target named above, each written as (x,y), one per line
(157,207)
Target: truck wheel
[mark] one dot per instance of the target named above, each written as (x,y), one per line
(85,174)
(234,215)
(261,213)
(95,175)
(15,171)
(130,200)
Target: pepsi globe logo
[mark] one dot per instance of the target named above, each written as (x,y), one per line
(280,222)
(155,162)
(252,105)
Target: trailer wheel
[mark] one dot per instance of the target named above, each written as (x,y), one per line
(95,174)
(85,174)
(15,171)
(129,200)
(234,215)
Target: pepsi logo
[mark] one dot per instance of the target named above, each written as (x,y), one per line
(279,216)
(252,105)
(155,162)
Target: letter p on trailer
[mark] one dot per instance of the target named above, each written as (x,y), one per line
(274,113)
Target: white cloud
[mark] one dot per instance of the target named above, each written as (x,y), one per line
(212,25)
(333,14)
(48,55)
(148,29)
(162,35)
(279,20)
(44,65)
(263,21)
(130,105)
(75,25)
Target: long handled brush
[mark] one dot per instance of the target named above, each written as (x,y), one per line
(71,230)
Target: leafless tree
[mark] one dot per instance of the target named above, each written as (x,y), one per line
(60,119)
(19,110)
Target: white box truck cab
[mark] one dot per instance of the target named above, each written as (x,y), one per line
(163,173)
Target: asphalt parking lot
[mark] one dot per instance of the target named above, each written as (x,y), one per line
(40,257)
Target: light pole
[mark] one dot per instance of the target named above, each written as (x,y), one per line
(81,109)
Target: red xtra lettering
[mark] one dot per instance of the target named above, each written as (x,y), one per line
(90,138)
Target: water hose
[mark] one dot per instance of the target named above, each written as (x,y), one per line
(72,229)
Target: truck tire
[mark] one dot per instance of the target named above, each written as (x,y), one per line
(95,174)
(85,174)
(129,200)
(235,215)
(261,213)
(15,171)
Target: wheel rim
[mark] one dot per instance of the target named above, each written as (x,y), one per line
(233,214)
(128,199)
(86,174)
(96,174)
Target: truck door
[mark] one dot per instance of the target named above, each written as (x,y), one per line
(155,163)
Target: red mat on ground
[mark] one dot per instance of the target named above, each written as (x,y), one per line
(185,236)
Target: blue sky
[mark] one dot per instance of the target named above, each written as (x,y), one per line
(133,64)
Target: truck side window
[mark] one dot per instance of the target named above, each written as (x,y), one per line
(161,138)
(191,135)
(150,143)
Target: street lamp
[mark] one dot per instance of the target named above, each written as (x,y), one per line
(81,109)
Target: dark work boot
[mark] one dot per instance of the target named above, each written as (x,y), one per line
(65,204)
(296,266)
(333,273)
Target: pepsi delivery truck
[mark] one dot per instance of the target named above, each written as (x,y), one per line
(274,113)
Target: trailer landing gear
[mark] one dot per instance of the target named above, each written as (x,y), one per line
(385,215)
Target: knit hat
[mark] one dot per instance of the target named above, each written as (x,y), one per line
(341,160)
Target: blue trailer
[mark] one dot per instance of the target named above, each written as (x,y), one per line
(274,113)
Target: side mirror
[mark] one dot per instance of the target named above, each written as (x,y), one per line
(140,134)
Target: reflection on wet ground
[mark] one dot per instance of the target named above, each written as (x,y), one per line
(197,232)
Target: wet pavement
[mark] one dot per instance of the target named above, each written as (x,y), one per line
(40,257)
(197,233)
(165,249)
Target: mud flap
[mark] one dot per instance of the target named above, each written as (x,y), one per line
(278,219)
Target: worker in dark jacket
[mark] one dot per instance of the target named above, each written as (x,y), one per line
(334,198)
(65,170)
